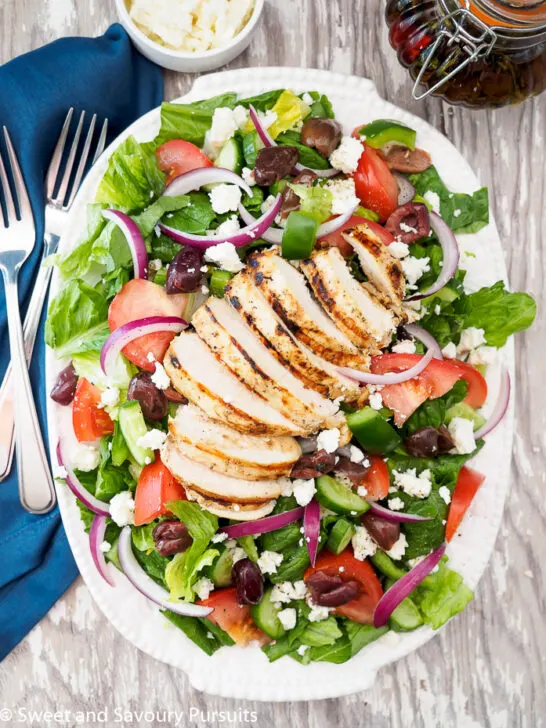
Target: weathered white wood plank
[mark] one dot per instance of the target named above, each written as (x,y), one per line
(488,667)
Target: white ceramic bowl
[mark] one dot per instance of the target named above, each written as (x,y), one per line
(183,60)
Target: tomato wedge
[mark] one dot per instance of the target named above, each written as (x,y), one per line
(377,480)
(466,488)
(156,486)
(88,419)
(138,299)
(361,608)
(233,618)
(177,157)
(435,381)
(375,184)
(374,230)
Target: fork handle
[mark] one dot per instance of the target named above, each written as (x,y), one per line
(36,490)
(30,329)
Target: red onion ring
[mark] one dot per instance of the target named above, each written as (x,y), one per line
(450,249)
(147,586)
(425,338)
(81,493)
(390,377)
(196,178)
(311,528)
(406,191)
(263,525)
(404,586)
(242,237)
(96,538)
(122,336)
(134,239)
(396,516)
(500,407)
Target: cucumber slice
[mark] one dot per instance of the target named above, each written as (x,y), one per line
(218,282)
(231,156)
(133,427)
(265,615)
(386,565)
(373,432)
(120,451)
(340,536)
(406,617)
(220,571)
(339,499)
(466,412)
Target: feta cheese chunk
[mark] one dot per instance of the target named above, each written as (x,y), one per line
(287,618)
(122,509)
(414,268)
(288,591)
(219,537)
(356,455)
(225,198)
(399,250)
(268,203)
(398,549)
(304,490)
(445,494)
(419,486)
(228,228)
(396,504)
(160,377)
(268,562)
(376,401)
(471,338)
(236,552)
(404,347)
(105,547)
(109,398)
(154,439)
(241,116)
(462,434)
(85,457)
(450,351)
(363,544)
(482,356)
(302,649)
(328,440)
(224,255)
(248,176)
(433,200)
(347,155)
(343,194)
(318,614)
(203,587)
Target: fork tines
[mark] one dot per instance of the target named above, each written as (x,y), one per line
(63,196)
(21,196)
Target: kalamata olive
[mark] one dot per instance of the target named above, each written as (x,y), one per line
(274,163)
(331,591)
(314,465)
(445,443)
(307,444)
(171,537)
(324,135)
(402,334)
(428,442)
(356,472)
(152,400)
(174,396)
(248,581)
(65,386)
(384,533)
(291,201)
(409,223)
(407,161)
(184,273)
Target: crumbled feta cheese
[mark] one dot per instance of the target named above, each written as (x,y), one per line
(268,562)
(203,587)
(347,155)
(419,486)
(155,265)
(456,213)
(482,356)
(445,494)
(307,99)
(154,439)
(433,200)
(287,617)
(462,434)
(396,504)
(268,118)
(109,398)
(376,401)
(414,268)
(437,309)
(362,491)
(268,203)
(224,255)
(223,126)
(398,549)
(328,440)
(404,347)
(85,457)
(236,552)
(219,537)
(318,614)
(228,228)
(240,116)
(248,176)
(363,544)
(287,487)
(399,250)
(302,649)
(471,338)
(450,351)
(356,455)
(288,591)
(122,509)
(304,490)
(344,195)
(407,228)
(225,198)
(160,377)
(105,547)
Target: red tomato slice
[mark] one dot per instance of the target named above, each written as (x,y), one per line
(374,230)
(361,608)
(466,488)
(156,486)
(89,421)
(375,184)
(233,618)
(435,381)
(377,480)
(138,299)
(177,157)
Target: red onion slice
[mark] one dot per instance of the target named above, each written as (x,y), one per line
(242,237)
(406,191)
(311,528)
(147,586)
(404,587)
(134,239)
(396,516)
(450,249)
(390,377)
(81,493)
(500,407)
(119,338)
(263,525)
(425,338)
(196,178)
(96,538)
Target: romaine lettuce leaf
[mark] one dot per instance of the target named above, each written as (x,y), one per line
(76,263)
(321,106)
(361,635)
(191,121)
(148,218)
(195,217)
(315,201)
(262,102)
(317,634)
(441,596)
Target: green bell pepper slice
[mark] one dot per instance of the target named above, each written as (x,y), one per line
(299,236)
(382,131)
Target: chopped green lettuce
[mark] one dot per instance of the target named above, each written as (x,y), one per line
(76,263)
(191,121)
(317,634)
(262,102)
(87,364)
(315,201)
(321,106)
(195,217)
(441,596)
(148,218)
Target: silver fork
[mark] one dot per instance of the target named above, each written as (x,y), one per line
(56,209)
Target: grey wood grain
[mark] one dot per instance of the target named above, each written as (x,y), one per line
(487,668)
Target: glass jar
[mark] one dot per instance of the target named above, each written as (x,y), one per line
(478,53)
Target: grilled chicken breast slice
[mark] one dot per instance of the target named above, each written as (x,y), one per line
(228,451)
(196,373)
(215,485)
(286,292)
(224,331)
(361,316)
(313,371)
(233,511)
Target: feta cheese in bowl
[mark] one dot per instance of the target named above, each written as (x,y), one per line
(190,35)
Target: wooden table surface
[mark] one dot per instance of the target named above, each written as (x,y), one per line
(488,668)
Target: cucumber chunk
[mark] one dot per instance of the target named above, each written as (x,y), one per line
(340,536)
(265,615)
(373,432)
(231,156)
(133,427)
(339,499)
(220,571)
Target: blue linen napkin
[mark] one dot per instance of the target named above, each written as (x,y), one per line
(109,77)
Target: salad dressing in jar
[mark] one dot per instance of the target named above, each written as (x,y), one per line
(478,53)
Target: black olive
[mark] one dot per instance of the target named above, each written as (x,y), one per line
(184,273)
(384,533)
(324,135)
(409,223)
(248,581)
(171,537)
(274,163)
(65,386)
(152,400)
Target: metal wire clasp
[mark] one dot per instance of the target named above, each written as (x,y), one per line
(469,34)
